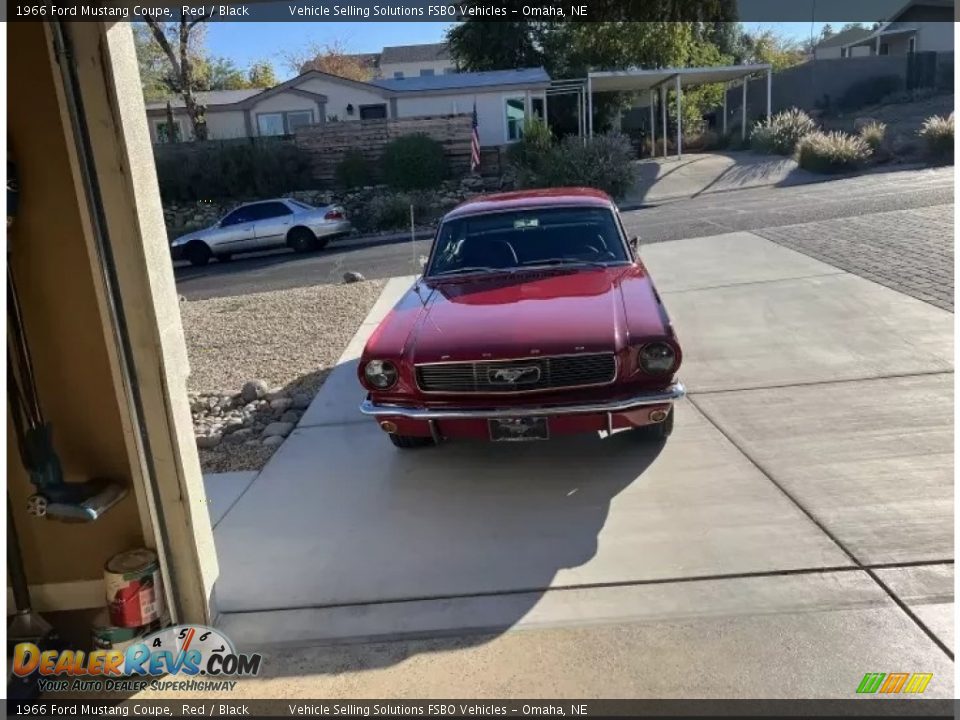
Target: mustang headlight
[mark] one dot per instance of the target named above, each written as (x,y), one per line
(657,358)
(380,373)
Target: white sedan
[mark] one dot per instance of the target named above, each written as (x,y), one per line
(263,225)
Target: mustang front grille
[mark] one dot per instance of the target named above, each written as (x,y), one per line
(511,376)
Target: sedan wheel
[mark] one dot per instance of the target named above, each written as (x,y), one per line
(198,253)
(302,240)
(408,442)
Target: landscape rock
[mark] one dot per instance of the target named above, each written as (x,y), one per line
(281,405)
(301,400)
(291,416)
(277,428)
(276,393)
(206,442)
(272,440)
(253,390)
(352,277)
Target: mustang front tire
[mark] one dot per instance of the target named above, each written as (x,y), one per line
(408,442)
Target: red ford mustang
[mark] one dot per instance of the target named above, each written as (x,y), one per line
(534,317)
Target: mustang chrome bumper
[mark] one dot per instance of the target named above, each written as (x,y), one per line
(673,392)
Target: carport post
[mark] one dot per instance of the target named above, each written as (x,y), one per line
(726,87)
(663,112)
(743,112)
(679,129)
(589,106)
(769,88)
(653,125)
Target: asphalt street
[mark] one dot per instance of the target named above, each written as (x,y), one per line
(706,214)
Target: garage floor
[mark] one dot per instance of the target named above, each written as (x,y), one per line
(800,519)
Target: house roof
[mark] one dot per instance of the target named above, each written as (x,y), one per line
(414,53)
(844,37)
(466,81)
(212,97)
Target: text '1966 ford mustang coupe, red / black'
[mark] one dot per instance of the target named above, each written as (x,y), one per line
(534,318)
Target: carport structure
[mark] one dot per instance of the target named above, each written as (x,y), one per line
(662,78)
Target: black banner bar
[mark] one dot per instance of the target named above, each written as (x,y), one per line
(445,11)
(857,708)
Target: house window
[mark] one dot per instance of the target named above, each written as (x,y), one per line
(537,107)
(373,112)
(843,52)
(514,107)
(426,72)
(298,119)
(398,75)
(163,132)
(283,123)
(270,124)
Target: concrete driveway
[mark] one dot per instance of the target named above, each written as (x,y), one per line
(795,533)
(695,174)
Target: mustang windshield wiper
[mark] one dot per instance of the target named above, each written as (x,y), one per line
(564,261)
(462,270)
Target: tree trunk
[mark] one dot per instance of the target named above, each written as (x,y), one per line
(183,70)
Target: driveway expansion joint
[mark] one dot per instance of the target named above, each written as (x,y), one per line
(809,514)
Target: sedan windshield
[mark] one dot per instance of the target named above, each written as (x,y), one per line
(538,237)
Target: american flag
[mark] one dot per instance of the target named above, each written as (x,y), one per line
(474,142)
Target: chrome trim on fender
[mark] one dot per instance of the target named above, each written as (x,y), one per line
(673,392)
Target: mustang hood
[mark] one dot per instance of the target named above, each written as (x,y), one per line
(535,313)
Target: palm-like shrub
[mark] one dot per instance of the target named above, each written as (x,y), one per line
(937,133)
(781,135)
(832,152)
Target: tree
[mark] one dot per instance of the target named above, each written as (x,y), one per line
(768,47)
(826,32)
(476,46)
(261,75)
(218,73)
(330,58)
(182,62)
(154,67)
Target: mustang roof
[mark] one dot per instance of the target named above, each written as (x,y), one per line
(518,199)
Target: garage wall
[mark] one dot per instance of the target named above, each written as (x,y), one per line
(54,275)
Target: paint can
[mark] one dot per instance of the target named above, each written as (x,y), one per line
(134,588)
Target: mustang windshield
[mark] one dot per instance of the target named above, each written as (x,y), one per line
(527,238)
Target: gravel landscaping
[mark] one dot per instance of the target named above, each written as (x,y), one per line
(256,362)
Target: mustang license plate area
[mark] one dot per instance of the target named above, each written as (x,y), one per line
(519,429)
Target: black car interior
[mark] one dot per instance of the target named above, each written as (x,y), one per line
(517,239)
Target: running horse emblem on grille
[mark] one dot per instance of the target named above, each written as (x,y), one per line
(514,375)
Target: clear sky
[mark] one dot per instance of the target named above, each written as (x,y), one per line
(245,42)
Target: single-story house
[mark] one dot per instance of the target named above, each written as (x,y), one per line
(503,100)
(919,26)
(837,45)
